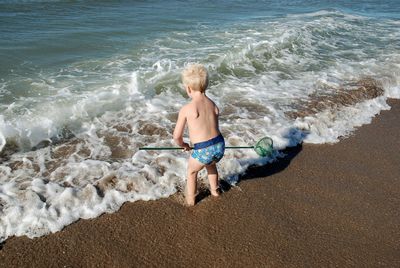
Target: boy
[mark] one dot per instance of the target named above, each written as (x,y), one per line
(201,116)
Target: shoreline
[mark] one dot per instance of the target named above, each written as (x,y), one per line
(322,205)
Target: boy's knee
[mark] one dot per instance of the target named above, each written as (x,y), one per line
(211,169)
(192,173)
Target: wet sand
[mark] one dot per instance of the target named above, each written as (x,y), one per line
(323,205)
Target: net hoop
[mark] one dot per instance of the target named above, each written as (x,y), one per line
(264,147)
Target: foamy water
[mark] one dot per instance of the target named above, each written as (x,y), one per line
(69,135)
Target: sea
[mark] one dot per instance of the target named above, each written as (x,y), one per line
(85,84)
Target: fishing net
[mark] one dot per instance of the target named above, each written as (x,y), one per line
(264,147)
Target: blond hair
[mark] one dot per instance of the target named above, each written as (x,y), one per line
(196,77)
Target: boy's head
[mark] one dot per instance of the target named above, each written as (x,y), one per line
(195,76)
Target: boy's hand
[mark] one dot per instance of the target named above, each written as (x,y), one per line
(186,147)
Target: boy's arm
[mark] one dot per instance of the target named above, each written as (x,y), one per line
(180,128)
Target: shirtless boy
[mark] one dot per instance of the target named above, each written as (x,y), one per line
(201,116)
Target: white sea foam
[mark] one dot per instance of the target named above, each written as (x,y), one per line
(96,114)
(328,126)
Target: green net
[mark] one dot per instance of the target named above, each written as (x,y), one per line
(264,147)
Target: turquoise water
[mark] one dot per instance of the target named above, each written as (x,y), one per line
(83,84)
(41,37)
(38,36)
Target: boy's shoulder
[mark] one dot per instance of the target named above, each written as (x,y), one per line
(186,107)
(189,110)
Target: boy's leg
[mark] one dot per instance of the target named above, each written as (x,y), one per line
(194,167)
(213,178)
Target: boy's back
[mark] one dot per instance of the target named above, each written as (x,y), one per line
(202,119)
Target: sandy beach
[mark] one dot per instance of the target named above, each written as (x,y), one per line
(323,205)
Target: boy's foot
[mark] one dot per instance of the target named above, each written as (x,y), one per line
(190,200)
(190,203)
(217,192)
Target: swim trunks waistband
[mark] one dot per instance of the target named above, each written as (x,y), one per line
(210,142)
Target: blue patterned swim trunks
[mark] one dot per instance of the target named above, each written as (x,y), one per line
(209,151)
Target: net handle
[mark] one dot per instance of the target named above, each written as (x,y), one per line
(181,148)
(227,147)
(262,154)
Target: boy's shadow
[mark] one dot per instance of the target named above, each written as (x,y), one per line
(257,171)
(274,167)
